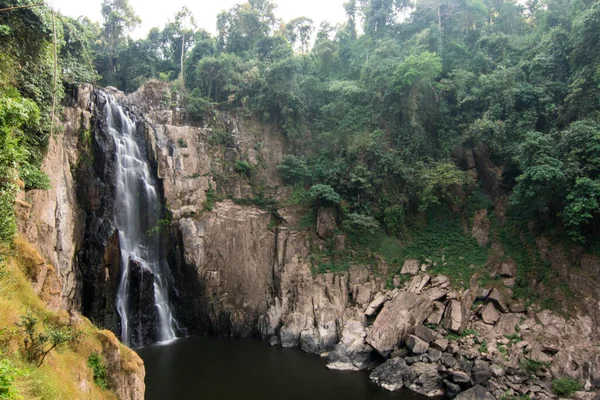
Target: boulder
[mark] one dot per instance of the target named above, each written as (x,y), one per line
(489,314)
(438,312)
(475,393)
(480,373)
(448,360)
(416,345)
(452,389)
(390,374)
(460,377)
(417,283)
(440,344)
(410,267)
(508,269)
(424,379)
(498,299)
(351,353)
(398,317)
(426,334)
(453,316)
(434,355)
(326,222)
(380,298)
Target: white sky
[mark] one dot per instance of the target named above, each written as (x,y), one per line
(156,13)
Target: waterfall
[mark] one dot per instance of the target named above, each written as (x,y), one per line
(137,218)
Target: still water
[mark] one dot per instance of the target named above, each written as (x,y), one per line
(215,368)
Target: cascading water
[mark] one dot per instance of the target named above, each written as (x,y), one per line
(137,214)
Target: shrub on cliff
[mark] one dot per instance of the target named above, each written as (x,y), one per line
(565,387)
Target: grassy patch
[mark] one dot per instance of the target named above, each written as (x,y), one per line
(565,387)
(61,373)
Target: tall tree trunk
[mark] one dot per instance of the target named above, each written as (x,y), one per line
(182,53)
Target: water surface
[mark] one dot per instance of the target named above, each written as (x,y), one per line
(215,368)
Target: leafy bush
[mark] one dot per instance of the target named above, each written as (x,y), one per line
(320,195)
(34,178)
(8,225)
(439,182)
(393,219)
(210,198)
(533,366)
(37,345)
(565,387)
(359,223)
(98,367)
(197,105)
(293,169)
(182,143)
(243,167)
(8,373)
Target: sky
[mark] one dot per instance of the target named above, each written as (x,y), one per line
(156,13)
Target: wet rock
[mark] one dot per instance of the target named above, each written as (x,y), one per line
(424,379)
(416,345)
(410,267)
(452,389)
(398,317)
(273,340)
(351,353)
(489,314)
(390,374)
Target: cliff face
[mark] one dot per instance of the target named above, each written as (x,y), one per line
(242,268)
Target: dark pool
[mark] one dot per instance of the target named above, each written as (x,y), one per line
(210,368)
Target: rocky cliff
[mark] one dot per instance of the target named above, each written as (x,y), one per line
(242,267)
(247,270)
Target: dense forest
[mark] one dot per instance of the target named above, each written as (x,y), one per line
(373,109)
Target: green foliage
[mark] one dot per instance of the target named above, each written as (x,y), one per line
(394,218)
(182,143)
(532,366)
(565,387)
(243,167)
(293,169)
(440,182)
(98,367)
(8,373)
(483,348)
(210,198)
(322,195)
(359,224)
(34,178)
(38,343)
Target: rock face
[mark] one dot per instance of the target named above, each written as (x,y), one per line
(52,219)
(398,317)
(125,368)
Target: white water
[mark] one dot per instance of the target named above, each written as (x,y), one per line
(137,209)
